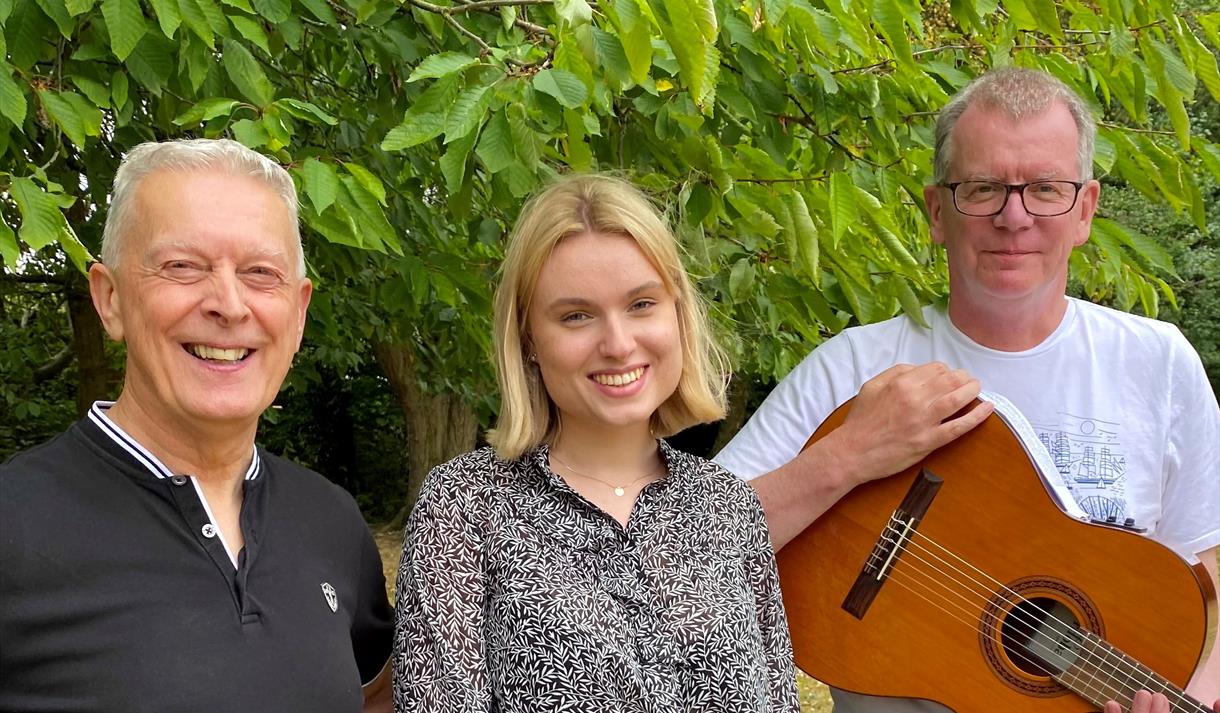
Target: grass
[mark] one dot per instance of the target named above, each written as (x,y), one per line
(814,696)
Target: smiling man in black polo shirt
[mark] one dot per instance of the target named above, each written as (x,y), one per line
(152,558)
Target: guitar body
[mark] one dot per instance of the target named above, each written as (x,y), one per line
(939,630)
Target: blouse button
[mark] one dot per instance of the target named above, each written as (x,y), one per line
(178,480)
(208,530)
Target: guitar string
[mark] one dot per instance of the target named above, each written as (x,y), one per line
(1121,660)
(1114,653)
(1102,693)
(1116,664)
(1106,692)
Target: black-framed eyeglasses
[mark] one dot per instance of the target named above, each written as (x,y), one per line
(1044,199)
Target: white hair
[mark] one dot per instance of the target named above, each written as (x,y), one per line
(1017,92)
(184,155)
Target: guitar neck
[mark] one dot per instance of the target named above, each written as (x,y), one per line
(1102,673)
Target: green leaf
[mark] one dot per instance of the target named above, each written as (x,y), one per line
(495,147)
(636,39)
(246,74)
(741,279)
(686,40)
(574,12)
(10,252)
(1147,249)
(1172,68)
(63,113)
(306,111)
(275,11)
(888,18)
(12,99)
(1046,14)
(467,113)
(806,237)
(90,116)
(843,211)
(453,162)
(58,12)
(78,7)
(150,64)
(1105,153)
(563,85)
(97,92)
(252,134)
(206,110)
(414,130)
(42,223)
(321,10)
(204,18)
(1205,64)
(441,65)
(367,180)
(580,157)
(911,306)
(321,183)
(253,31)
(168,15)
(125,23)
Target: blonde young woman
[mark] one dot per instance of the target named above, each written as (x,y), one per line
(580,563)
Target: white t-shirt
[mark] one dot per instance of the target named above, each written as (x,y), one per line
(1121,402)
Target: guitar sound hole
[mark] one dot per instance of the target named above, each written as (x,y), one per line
(1041,637)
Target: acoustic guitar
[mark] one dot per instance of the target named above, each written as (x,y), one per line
(960,581)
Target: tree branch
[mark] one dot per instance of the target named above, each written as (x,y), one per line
(54,366)
(1133,130)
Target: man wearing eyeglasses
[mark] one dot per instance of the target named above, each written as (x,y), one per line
(1122,401)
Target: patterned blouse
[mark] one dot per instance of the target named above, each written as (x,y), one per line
(517,594)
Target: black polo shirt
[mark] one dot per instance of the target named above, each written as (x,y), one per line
(117,594)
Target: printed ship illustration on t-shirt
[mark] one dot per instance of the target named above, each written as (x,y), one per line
(1088,454)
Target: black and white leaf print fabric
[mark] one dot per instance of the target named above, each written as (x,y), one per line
(517,594)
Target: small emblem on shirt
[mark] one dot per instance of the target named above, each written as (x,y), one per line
(332,597)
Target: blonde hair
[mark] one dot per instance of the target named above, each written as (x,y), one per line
(599,204)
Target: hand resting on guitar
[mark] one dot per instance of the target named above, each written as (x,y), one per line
(900,416)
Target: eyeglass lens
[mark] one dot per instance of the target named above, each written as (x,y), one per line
(1041,198)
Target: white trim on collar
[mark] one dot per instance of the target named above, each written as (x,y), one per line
(97,414)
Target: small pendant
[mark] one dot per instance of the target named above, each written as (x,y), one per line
(619,492)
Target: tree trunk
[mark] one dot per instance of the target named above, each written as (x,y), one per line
(94,378)
(735,414)
(439,426)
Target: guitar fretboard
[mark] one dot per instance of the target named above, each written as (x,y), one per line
(1104,673)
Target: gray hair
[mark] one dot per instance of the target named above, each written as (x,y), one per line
(183,155)
(1017,92)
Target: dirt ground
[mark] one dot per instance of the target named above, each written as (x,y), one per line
(814,697)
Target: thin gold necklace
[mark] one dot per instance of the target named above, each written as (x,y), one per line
(619,490)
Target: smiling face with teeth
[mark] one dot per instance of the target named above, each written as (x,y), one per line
(207,298)
(605,332)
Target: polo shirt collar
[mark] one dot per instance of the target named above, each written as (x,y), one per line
(97,414)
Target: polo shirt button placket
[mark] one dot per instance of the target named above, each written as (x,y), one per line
(178,480)
(208,530)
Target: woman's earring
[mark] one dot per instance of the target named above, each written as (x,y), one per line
(533,357)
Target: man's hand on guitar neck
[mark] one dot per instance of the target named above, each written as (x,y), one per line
(1146,702)
(900,416)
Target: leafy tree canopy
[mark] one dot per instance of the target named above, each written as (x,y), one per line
(789,139)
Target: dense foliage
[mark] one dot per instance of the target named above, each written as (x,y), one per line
(789,139)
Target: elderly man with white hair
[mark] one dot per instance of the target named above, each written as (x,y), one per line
(152,557)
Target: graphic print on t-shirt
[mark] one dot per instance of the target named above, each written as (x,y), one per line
(1090,457)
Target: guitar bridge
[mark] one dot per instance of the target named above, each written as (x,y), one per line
(892,542)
